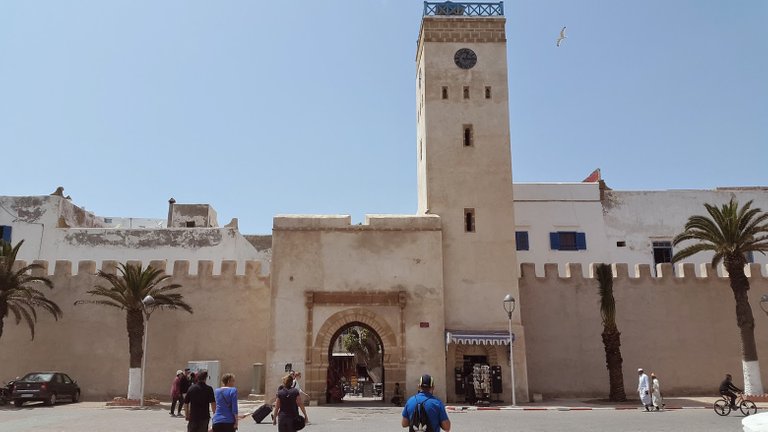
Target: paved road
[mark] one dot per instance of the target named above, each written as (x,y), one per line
(93,416)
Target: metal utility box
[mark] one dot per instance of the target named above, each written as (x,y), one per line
(212,366)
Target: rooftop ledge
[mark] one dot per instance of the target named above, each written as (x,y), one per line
(454,9)
(384,222)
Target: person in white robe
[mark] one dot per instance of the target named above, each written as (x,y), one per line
(644,389)
(656,392)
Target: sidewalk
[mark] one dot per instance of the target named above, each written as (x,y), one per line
(692,402)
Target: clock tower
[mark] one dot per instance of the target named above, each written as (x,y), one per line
(465,175)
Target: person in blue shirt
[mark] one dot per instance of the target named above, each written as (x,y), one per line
(434,407)
(225,418)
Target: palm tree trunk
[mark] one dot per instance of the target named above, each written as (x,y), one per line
(3,314)
(746,322)
(613,361)
(135,325)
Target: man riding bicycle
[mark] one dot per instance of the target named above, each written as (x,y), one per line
(727,389)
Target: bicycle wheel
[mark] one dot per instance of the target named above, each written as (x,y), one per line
(748,407)
(722,408)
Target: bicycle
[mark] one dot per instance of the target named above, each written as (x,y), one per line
(722,406)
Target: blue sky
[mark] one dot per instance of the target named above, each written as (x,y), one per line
(261,108)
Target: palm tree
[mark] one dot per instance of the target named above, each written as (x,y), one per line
(126,292)
(731,233)
(19,293)
(611,334)
(367,350)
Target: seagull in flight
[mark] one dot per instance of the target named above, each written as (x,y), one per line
(561,37)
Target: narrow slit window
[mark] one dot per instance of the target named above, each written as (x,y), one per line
(469,220)
(190,224)
(445,92)
(466,92)
(488,92)
(467,136)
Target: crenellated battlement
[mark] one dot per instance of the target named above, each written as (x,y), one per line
(640,272)
(177,269)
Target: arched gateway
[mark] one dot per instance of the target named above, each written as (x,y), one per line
(320,359)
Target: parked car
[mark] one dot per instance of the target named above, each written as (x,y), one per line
(48,387)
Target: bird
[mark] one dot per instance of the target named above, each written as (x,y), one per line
(561,37)
(59,191)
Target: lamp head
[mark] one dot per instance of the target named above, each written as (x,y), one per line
(148,300)
(509,303)
(764,303)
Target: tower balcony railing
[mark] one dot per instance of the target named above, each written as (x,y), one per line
(450,8)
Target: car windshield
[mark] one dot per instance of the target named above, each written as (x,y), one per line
(38,377)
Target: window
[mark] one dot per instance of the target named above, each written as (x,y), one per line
(568,240)
(621,244)
(467,135)
(5,231)
(420,149)
(487,92)
(445,92)
(521,240)
(190,224)
(750,257)
(107,220)
(662,252)
(469,220)
(466,92)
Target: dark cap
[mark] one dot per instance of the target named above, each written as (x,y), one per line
(426,381)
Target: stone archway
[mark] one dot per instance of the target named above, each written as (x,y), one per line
(318,359)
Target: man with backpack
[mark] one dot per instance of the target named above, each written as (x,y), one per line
(425,412)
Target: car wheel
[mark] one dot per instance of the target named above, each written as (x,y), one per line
(18,402)
(76,397)
(51,399)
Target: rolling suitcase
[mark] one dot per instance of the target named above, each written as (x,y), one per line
(261,413)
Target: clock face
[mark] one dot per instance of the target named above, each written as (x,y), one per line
(465,58)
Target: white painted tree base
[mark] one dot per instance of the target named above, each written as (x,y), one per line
(752,383)
(134,383)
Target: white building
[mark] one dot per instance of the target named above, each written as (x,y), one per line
(53,228)
(582,223)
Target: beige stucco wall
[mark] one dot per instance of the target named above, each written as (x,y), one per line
(231,315)
(682,328)
(386,255)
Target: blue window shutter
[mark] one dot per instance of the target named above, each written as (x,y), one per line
(581,241)
(521,240)
(554,241)
(6,234)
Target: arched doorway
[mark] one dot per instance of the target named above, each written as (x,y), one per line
(321,353)
(355,365)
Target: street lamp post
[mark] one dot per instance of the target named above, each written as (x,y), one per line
(147,301)
(509,307)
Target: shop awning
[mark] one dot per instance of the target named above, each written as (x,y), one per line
(477,337)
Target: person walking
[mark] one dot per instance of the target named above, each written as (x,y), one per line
(288,401)
(176,392)
(184,385)
(433,407)
(644,389)
(297,386)
(199,403)
(656,392)
(225,418)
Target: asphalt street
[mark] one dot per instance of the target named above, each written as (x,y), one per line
(93,416)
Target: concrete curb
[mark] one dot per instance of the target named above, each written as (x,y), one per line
(559,408)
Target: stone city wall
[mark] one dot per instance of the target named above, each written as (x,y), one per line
(90,342)
(678,325)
